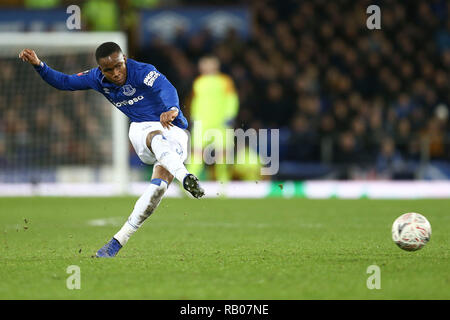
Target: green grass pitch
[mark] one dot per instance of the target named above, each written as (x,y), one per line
(221,249)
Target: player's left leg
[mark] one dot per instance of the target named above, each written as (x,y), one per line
(170,153)
(143,208)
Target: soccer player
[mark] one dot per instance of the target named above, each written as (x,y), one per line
(156,131)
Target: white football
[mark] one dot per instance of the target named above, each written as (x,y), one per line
(411,231)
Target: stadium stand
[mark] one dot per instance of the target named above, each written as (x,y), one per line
(350,103)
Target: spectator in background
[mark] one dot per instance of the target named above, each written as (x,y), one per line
(274,107)
(101,15)
(4,162)
(434,136)
(214,106)
(42,4)
(346,154)
(389,160)
(359,131)
(402,136)
(146,4)
(303,144)
(404,106)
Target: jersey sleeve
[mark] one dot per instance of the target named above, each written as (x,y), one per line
(62,81)
(161,86)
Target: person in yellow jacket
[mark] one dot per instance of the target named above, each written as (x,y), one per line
(101,15)
(214,106)
(42,4)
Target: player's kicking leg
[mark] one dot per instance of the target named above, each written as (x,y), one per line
(165,151)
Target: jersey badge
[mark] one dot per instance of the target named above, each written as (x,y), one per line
(128,90)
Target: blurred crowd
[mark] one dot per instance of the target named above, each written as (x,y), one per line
(341,94)
(50,129)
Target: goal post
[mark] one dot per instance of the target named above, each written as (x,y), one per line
(38,124)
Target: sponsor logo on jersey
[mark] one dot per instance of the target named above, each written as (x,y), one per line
(128,90)
(128,102)
(151,77)
(106,90)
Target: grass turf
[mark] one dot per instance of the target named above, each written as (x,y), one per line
(221,249)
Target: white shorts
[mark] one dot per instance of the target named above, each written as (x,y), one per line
(138,135)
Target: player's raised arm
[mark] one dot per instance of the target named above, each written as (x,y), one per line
(55,78)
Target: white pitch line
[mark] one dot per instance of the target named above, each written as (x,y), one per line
(114,222)
(118,221)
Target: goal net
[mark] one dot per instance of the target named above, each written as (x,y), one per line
(52,141)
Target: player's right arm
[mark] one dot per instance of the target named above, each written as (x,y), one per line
(56,79)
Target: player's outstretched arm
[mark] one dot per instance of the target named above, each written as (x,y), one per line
(55,78)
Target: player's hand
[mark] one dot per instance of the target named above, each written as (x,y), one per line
(30,56)
(167,117)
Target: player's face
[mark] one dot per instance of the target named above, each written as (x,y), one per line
(114,68)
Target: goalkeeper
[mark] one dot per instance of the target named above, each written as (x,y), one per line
(214,106)
(156,132)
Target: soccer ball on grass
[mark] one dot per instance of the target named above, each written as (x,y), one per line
(411,231)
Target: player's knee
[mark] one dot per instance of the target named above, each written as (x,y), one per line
(150,137)
(159,172)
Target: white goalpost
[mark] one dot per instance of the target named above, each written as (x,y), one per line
(56,142)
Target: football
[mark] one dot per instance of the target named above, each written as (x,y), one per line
(411,231)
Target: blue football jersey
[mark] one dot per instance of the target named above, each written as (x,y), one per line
(145,95)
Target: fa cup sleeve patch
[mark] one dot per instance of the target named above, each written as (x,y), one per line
(150,78)
(83,73)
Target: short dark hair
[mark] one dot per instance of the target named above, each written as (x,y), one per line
(106,49)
